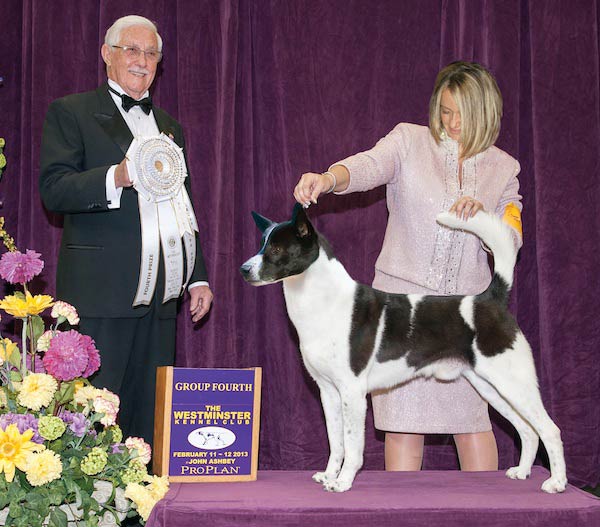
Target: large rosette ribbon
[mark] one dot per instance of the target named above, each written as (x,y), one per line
(157,169)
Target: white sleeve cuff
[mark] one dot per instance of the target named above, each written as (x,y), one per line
(196,284)
(113,194)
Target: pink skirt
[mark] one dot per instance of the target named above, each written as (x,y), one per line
(427,406)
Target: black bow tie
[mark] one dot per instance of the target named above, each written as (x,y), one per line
(129,102)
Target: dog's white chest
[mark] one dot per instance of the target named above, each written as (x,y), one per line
(322,314)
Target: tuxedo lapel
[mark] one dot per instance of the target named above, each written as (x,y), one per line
(111,120)
(165,124)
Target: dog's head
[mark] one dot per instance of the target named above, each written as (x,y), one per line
(287,249)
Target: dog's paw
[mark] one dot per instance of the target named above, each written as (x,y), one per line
(322,477)
(337,485)
(518,473)
(554,485)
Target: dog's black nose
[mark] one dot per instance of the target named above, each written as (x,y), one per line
(245,270)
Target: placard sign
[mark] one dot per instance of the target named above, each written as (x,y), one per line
(206,424)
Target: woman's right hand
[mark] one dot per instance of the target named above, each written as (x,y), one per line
(311,186)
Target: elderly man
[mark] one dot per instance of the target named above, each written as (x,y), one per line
(84,176)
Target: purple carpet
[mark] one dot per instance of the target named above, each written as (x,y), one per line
(378,499)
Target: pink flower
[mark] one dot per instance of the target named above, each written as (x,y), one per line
(93,355)
(19,268)
(62,309)
(109,396)
(67,357)
(110,411)
(144,452)
(107,403)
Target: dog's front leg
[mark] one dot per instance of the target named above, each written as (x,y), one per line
(354,410)
(332,408)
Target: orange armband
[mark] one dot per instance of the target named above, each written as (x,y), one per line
(512,217)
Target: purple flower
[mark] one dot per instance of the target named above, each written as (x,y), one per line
(78,424)
(118,448)
(39,365)
(23,422)
(67,356)
(93,356)
(19,268)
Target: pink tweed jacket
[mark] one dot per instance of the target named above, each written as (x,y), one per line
(421,179)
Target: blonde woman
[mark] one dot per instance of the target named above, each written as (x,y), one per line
(452,164)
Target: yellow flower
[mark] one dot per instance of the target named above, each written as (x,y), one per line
(83,394)
(31,305)
(37,391)
(15,449)
(7,347)
(7,240)
(158,486)
(43,468)
(142,498)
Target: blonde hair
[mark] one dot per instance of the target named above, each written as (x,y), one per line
(479,101)
(113,34)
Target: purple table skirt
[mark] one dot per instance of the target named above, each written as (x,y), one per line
(378,499)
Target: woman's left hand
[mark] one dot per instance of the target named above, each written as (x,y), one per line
(466,207)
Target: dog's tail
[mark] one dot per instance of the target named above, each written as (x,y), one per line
(498,236)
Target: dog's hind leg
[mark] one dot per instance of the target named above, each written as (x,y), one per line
(332,408)
(354,410)
(512,373)
(529,438)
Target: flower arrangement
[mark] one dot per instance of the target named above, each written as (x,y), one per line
(2,158)
(63,460)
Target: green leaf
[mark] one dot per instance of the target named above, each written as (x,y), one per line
(57,518)
(56,492)
(19,294)
(38,327)
(67,395)
(36,501)
(57,445)
(15,376)
(15,358)
(71,486)
(87,503)
(22,517)
(15,493)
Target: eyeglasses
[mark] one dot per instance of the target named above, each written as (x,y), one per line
(133,53)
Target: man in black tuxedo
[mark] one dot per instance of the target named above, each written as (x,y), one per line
(84,176)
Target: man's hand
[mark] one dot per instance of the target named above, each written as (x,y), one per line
(122,176)
(201,299)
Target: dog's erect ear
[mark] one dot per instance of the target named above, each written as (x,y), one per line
(300,221)
(261,222)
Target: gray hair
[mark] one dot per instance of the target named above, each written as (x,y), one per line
(113,34)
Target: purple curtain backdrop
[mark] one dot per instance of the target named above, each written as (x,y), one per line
(267,90)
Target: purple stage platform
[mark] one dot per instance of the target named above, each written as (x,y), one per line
(378,499)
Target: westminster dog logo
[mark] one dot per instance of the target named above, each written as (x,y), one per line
(211,438)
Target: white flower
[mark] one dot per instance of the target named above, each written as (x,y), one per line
(83,394)
(143,449)
(43,342)
(102,406)
(62,309)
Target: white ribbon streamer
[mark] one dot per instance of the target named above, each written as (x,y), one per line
(157,169)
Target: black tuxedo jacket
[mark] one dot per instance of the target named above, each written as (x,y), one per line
(98,266)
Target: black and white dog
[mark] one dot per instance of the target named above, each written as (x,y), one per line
(355,339)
